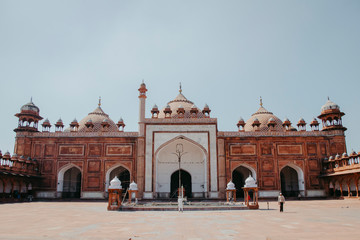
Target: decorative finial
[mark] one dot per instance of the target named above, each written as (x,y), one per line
(143,81)
(261,104)
(31,99)
(180,90)
(328,98)
(99,101)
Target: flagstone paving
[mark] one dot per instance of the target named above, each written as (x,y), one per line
(316,219)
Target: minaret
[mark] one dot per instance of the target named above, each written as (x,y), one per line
(142,98)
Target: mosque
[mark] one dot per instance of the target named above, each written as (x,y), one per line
(179,145)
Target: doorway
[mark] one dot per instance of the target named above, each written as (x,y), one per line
(72,183)
(289,182)
(185,181)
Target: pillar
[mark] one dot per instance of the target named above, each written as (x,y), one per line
(221,167)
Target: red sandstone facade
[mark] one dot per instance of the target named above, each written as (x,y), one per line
(81,160)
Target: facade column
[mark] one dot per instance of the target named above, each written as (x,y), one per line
(221,166)
(341,189)
(140,167)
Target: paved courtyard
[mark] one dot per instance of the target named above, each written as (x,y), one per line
(326,219)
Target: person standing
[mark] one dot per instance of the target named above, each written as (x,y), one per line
(281,201)
(180,204)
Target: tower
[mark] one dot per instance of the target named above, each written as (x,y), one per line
(331,117)
(28,118)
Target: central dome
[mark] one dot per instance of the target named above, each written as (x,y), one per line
(96,117)
(180,101)
(263,116)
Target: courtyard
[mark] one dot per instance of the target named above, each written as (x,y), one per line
(308,219)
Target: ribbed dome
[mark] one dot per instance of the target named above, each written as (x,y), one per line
(180,101)
(96,117)
(263,116)
(329,105)
(30,106)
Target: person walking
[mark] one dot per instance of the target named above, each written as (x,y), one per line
(281,201)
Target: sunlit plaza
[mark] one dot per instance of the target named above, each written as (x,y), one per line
(307,219)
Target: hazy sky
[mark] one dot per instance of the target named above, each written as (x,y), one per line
(65,54)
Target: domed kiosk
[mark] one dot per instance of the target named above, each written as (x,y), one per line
(230,192)
(115,191)
(251,188)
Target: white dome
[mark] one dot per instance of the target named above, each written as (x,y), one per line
(97,117)
(230,186)
(115,183)
(180,102)
(30,107)
(329,105)
(133,186)
(250,182)
(263,116)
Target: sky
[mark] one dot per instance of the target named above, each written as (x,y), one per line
(65,54)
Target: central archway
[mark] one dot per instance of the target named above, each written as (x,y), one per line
(193,161)
(185,179)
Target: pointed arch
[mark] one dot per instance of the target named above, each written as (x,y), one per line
(194,161)
(108,172)
(182,137)
(300,175)
(250,168)
(60,176)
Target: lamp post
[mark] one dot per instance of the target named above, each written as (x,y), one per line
(179,153)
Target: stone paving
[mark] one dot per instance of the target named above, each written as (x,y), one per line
(316,219)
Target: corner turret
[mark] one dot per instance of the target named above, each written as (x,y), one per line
(28,118)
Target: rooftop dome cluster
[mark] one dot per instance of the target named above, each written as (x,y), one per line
(181,107)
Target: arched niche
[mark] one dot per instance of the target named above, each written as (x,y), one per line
(292,180)
(72,175)
(239,175)
(122,172)
(194,161)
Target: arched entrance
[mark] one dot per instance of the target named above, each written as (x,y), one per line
(16,189)
(123,175)
(239,176)
(337,189)
(185,179)
(289,182)
(72,183)
(193,162)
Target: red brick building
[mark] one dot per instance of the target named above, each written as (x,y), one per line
(80,160)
